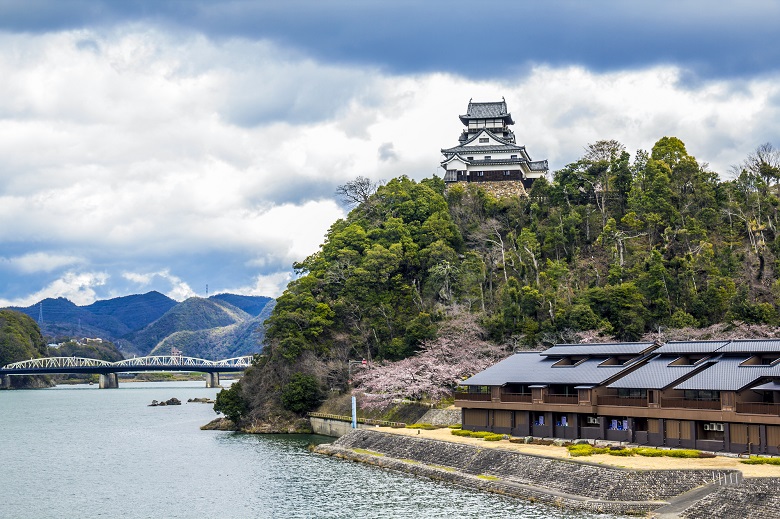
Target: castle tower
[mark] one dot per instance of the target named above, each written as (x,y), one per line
(487,151)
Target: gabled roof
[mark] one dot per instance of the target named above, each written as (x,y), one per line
(606,348)
(686,347)
(489,110)
(657,374)
(538,165)
(480,134)
(535,368)
(729,375)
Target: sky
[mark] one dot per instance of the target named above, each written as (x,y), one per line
(195,147)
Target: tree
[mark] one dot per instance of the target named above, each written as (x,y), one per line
(357,191)
(231,403)
(302,393)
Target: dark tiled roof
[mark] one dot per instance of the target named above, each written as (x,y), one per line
(489,110)
(533,368)
(539,165)
(656,374)
(611,348)
(684,347)
(751,346)
(728,375)
(504,148)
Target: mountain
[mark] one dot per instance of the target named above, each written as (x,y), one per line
(193,315)
(135,311)
(220,326)
(253,305)
(234,340)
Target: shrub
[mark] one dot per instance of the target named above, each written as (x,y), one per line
(303,393)
(648,452)
(455,426)
(493,437)
(755,460)
(460,432)
(424,426)
(620,452)
(683,453)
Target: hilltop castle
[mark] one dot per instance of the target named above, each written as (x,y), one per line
(487,151)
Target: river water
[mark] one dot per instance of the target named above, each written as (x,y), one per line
(77,451)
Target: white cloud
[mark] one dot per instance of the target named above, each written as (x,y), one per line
(78,287)
(177,289)
(271,285)
(141,146)
(40,262)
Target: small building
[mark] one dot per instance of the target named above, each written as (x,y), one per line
(487,151)
(709,395)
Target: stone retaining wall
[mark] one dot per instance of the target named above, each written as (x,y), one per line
(756,498)
(441,417)
(570,484)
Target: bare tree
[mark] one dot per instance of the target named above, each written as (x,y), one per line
(358,191)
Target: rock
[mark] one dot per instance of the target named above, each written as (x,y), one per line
(173,401)
(528,439)
(559,443)
(219,424)
(154,403)
(203,400)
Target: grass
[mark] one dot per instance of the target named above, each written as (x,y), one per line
(487,477)
(755,460)
(585,449)
(370,453)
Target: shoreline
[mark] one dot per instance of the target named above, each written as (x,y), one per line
(627,462)
(636,485)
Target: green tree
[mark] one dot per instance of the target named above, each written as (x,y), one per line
(231,403)
(302,393)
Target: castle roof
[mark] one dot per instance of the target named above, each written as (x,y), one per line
(490,110)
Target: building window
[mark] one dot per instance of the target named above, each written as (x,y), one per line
(513,157)
(483,139)
(469,158)
(487,157)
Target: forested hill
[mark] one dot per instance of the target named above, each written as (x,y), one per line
(613,245)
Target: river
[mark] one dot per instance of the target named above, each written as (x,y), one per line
(77,451)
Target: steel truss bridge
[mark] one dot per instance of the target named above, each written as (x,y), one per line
(108,371)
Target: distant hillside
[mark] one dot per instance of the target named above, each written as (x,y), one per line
(137,324)
(20,339)
(135,311)
(193,314)
(235,340)
(253,305)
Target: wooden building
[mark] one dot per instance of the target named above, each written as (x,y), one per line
(709,395)
(487,151)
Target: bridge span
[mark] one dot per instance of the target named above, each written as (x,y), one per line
(109,371)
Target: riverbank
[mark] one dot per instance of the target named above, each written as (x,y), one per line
(627,462)
(627,486)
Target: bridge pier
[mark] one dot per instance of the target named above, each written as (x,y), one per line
(109,381)
(5,382)
(212,380)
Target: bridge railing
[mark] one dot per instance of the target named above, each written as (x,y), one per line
(58,362)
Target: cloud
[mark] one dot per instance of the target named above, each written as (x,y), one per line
(271,285)
(40,262)
(78,287)
(404,37)
(171,160)
(177,289)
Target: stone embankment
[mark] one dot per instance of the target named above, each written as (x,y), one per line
(755,498)
(558,482)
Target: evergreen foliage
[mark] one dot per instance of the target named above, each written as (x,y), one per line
(619,245)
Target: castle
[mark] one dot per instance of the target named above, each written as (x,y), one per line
(487,151)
